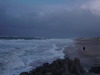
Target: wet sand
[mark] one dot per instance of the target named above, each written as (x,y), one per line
(90,57)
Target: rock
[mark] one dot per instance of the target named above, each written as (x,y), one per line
(66,68)
(46,65)
(58,67)
(68,63)
(32,71)
(49,73)
(57,63)
(24,73)
(95,69)
(75,67)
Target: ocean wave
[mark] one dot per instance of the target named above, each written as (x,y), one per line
(22,55)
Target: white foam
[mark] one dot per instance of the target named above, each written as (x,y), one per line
(22,55)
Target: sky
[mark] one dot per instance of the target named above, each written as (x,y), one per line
(50,18)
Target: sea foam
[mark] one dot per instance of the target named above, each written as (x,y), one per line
(23,55)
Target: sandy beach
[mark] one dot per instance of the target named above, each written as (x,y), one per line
(90,57)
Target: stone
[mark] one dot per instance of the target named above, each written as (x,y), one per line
(49,73)
(46,65)
(75,67)
(24,73)
(58,67)
(95,69)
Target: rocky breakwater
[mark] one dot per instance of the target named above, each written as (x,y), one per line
(58,67)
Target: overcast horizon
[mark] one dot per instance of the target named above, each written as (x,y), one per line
(50,18)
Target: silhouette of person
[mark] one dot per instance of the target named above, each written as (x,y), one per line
(84,48)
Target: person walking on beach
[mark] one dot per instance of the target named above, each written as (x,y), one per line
(84,48)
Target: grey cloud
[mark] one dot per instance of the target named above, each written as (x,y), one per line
(75,23)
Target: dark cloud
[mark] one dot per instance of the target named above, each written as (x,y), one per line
(21,21)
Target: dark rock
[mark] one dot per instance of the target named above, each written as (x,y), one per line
(58,67)
(24,73)
(32,71)
(95,69)
(68,63)
(46,65)
(49,73)
(76,68)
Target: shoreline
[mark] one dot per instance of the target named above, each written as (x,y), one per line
(88,58)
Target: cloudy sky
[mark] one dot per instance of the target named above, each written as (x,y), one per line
(50,18)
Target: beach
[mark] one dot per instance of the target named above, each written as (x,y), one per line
(89,57)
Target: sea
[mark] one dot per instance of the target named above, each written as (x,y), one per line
(20,55)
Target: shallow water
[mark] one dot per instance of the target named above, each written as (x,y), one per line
(23,55)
